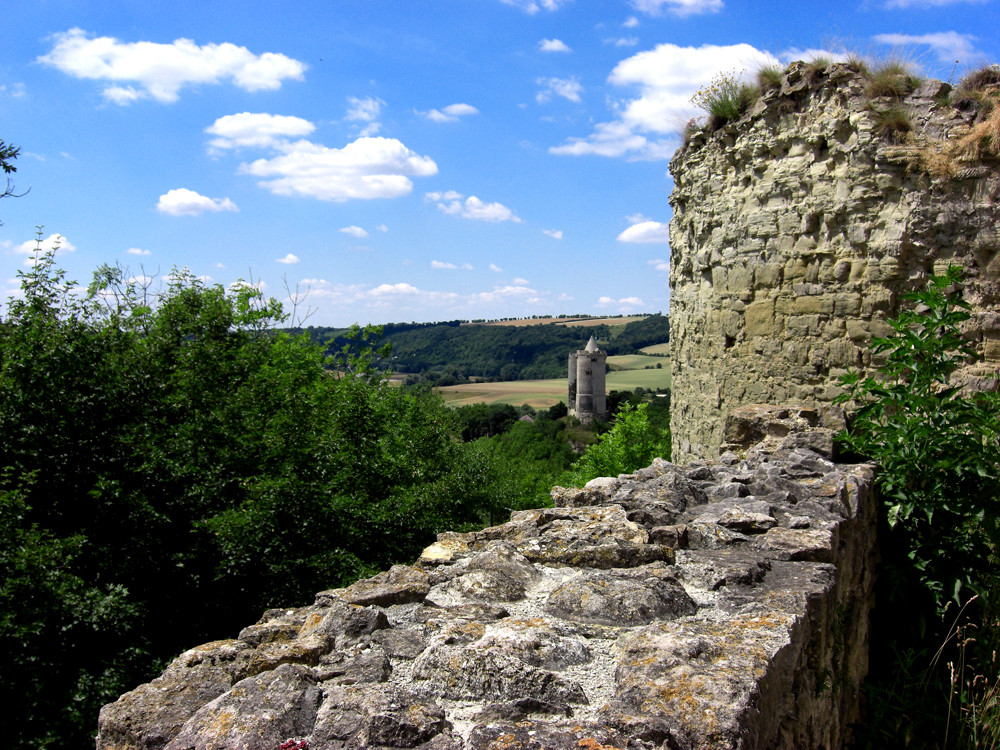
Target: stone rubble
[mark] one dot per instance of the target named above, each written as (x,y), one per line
(722,604)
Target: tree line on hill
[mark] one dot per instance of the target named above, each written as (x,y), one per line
(451,352)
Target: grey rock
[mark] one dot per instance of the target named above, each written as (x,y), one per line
(607,599)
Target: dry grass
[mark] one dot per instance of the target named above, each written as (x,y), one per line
(892,78)
(769,78)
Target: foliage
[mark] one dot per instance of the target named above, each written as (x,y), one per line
(891,78)
(179,428)
(450,353)
(769,78)
(938,449)
(932,684)
(725,98)
(632,443)
(893,123)
(7,155)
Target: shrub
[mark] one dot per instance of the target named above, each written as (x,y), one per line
(769,78)
(725,98)
(891,78)
(938,448)
(893,123)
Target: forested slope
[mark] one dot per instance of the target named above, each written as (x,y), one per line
(453,352)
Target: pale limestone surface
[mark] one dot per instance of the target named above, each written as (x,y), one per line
(795,231)
(721,604)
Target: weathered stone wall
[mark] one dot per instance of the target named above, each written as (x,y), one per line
(722,604)
(796,229)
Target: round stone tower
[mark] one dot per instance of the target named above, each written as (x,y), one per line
(797,228)
(587,399)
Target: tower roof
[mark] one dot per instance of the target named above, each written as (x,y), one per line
(592,345)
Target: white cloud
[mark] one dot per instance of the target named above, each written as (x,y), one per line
(442,265)
(677,7)
(17,90)
(531,7)
(646,126)
(630,23)
(495,268)
(624,302)
(645,231)
(138,251)
(520,282)
(289,259)
(381,228)
(451,202)
(553,45)
(354,232)
(184,202)
(256,130)
(659,264)
(367,168)
(947,45)
(792,54)
(160,71)
(365,110)
(451,113)
(624,41)
(554,233)
(567,88)
(54,242)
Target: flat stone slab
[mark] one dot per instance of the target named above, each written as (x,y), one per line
(718,605)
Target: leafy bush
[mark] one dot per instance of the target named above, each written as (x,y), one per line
(632,443)
(937,447)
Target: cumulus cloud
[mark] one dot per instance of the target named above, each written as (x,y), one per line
(531,7)
(947,45)
(367,168)
(365,111)
(289,259)
(645,126)
(677,7)
(623,41)
(354,232)
(659,264)
(138,251)
(184,202)
(567,88)
(630,23)
(554,233)
(451,113)
(381,228)
(442,265)
(520,282)
(56,243)
(472,207)
(645,231)
(553,45)
(141,70)
(495,268)
(622,303)
(256,130)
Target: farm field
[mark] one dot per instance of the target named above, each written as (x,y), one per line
(635,362)
(661,349)
(542,394)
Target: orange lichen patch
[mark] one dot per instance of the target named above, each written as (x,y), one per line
(505,742)
(591,744)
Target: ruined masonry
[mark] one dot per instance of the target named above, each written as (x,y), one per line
(796,229)
(722,604)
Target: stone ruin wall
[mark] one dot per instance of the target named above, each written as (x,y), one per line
(796,229)
(723,604)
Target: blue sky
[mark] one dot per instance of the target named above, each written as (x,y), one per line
(401,160)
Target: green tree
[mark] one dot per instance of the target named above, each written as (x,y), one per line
(629,445)
(936,445)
